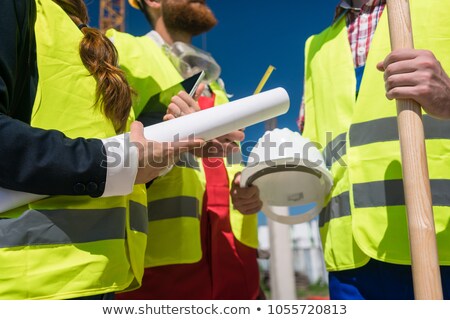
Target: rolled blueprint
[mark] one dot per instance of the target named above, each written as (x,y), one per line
(10,199)
(215,122)
(206,124)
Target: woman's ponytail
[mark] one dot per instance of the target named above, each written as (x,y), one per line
(100,57)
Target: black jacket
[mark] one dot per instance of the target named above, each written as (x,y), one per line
(34,160)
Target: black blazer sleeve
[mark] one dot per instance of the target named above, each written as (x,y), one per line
(46,162)
(34,160)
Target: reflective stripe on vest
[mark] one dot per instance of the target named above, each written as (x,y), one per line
(63,227)
(138,217)
(188,160)
(391,193)
(338,207)
(235,158)
(381,130)
(335,150)
(175,207)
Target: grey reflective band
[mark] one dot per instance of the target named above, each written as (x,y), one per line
(335,150)
(380,194)
(188,160)
(173,208)
(234,158)
(138,217)
(385,129)
(390,193)
(338,207)
(66,226)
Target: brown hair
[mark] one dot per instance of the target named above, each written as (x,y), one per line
(100,57)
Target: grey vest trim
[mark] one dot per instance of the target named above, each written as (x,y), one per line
(390,193)
(335,150)
(234,158)
(66,226)
(138,217)
(188,160)
(380,194)
(338,207)
(173,208)
(380,130)
(385,129)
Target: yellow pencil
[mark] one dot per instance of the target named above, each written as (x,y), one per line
(264,79)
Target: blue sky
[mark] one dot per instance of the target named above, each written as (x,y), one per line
(250,36)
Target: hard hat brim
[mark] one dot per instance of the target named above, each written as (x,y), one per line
(134,4)
(294,177)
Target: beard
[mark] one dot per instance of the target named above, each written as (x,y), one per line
(194,17)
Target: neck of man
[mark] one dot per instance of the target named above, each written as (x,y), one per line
(171,36)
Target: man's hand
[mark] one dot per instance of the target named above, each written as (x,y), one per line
(418,75)
(183,104)
(154,157)
(246,200)
(221,146)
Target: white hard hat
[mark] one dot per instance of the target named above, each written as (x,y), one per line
(289,171)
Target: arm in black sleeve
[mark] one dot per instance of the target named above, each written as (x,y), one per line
(46,162)
(34,160)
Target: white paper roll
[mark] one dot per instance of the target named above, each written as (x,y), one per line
(215,122)
(206,124)
(10,199)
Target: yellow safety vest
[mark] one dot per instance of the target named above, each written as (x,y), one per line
(365,217)
(65,247)
(175,200)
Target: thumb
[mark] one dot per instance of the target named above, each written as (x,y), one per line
(237,179)
(380,66)
(137,137)
(136,131)
(199,91)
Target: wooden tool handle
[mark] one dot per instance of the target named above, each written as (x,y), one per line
(424,255)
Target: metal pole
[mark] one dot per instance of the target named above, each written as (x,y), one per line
(282,278)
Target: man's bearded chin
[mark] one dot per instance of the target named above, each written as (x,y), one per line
(194,18)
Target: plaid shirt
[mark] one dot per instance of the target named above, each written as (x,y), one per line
(361,25)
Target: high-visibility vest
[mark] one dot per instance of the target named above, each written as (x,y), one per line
(64,247)
(365,216)
(175,200)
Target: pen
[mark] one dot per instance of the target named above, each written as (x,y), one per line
(197,83)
